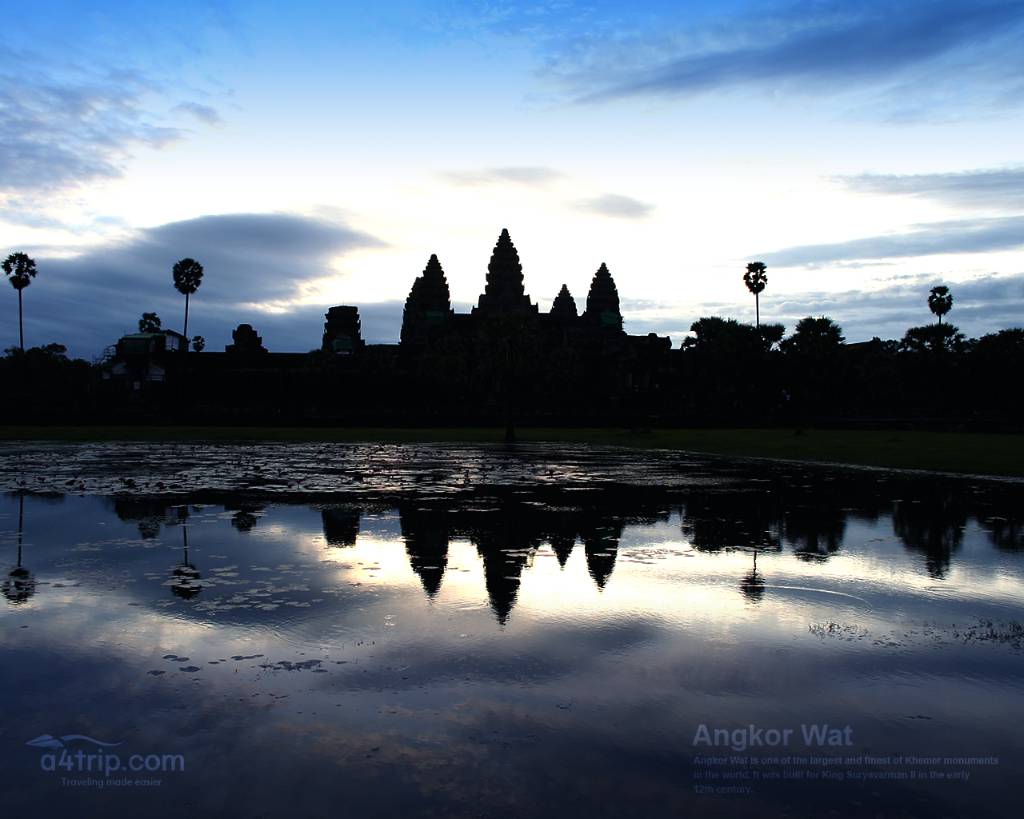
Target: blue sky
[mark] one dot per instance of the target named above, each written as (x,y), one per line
(312,154)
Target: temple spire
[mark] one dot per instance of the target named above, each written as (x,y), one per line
(429,302)
(603,301)
(504,292)
(563,308)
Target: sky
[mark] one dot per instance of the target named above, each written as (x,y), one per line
(310,154)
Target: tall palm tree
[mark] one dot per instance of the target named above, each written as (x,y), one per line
(940,301)
(755,279)
(188,275)
(20,270)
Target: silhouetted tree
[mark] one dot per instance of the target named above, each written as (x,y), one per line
(149,323)
(933,338)
(20,270)
(814,337)
(188,275)
(756,278)
(198,344)
(940,301)
(813,365)
(720,346)
(772,335)
(993,366)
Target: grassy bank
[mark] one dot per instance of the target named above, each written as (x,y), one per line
(969,452)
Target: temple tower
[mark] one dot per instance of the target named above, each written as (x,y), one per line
(563,308)
(342,331)
(428,305)
(245,341)
(504,292)
(603,302)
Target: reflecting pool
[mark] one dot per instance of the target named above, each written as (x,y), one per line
(526,631)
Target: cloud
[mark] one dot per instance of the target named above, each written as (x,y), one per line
(982,305)
(996,188)
(934,238)
(809,45)
(204,113)
(534,176)
(616,205)
(57,131)
(73,110)
(88,301)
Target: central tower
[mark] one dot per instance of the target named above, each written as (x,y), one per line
(504,292)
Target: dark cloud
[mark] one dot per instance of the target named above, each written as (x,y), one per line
(808,45)
(616,205)
(958,236)
(521,175)
(89,300)
(996,188)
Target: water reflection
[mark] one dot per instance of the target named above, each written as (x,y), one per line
(244,515)
(363,648)
(341,525)
(19,585)
(509,528)
(933,525)
(186,581)
(752,585)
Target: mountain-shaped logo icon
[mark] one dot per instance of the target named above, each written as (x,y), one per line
(49,741)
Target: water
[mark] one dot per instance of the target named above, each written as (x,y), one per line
(535,631)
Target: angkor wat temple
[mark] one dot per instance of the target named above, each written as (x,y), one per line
(503,359)
(428,314)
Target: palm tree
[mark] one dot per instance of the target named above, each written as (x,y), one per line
(940,301)
(755,279)
(20,270)
(188,275)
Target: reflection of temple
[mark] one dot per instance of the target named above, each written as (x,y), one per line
(601,545)
(341,525)
(508,527)
(426,535)
(507,536)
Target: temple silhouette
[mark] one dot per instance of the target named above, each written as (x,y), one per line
(503,359)
(507,362)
